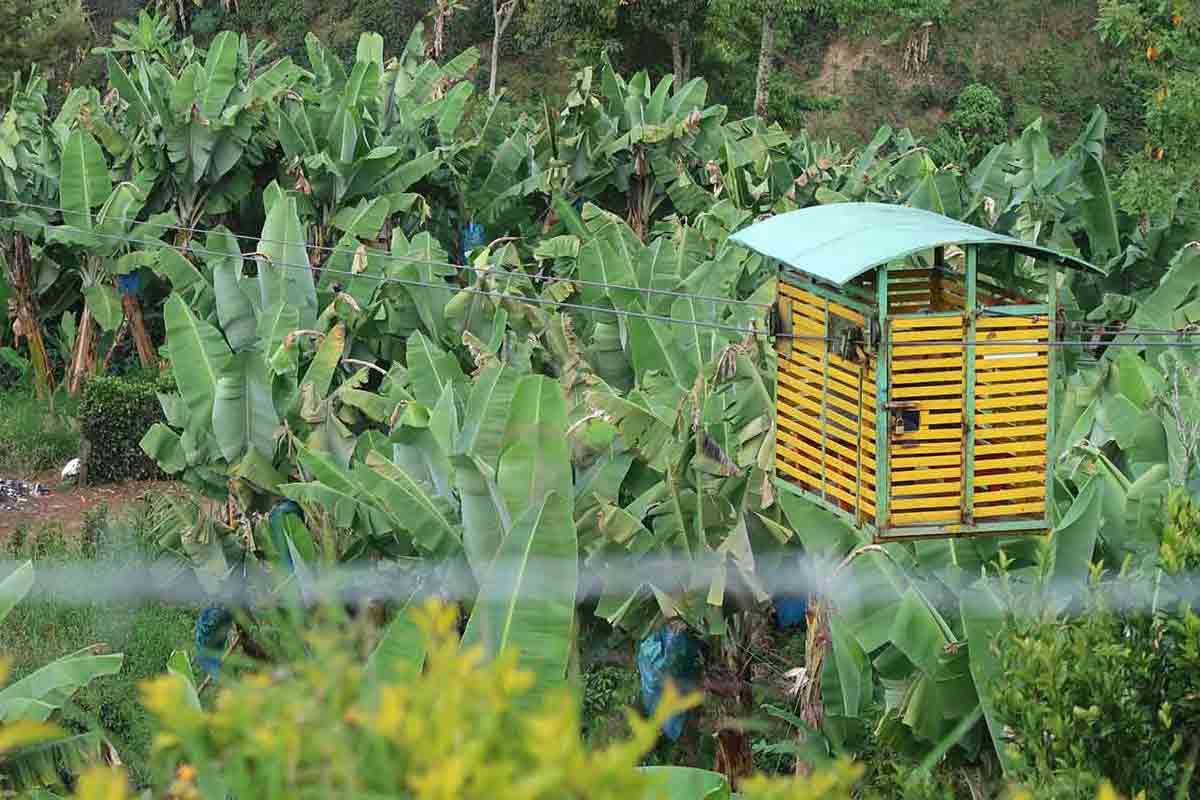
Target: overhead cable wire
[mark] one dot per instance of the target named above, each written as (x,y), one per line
(383,255)
(750,331)
(389,279)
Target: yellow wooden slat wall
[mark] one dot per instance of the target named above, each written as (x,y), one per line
(926,463)
(825,410)
(1012,371)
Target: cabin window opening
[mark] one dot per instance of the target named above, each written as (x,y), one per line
(908,420)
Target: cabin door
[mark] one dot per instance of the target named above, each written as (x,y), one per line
(927,384)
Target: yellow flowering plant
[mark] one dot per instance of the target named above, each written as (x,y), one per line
(451,728)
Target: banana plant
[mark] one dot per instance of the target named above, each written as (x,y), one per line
(33,746)
(194,119)
(623,143)
(27,167)
(109,242)
(357,144)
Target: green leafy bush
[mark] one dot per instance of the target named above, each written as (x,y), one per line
(979,118)
(114,414)
(434,721)
(1103,694)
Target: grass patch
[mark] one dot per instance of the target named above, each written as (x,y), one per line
(41,630)
(33,436)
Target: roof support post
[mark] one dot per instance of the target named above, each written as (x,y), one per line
(970,331)
(1052,366)
(883,414)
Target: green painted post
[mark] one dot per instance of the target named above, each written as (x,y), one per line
(825,408)
(883,414)
(971,330)
(1052,366)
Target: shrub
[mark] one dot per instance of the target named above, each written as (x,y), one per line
(457,728)
(1105,694)
(114,414)
(979,118)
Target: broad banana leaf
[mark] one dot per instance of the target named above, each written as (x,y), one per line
(526,602)
(14,588)
(44,691)
(199,357)
(685,783)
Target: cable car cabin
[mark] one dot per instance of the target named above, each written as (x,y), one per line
(915,369)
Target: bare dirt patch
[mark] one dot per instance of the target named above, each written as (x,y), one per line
(66,504)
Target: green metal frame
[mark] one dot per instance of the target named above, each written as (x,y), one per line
(1054,364)
(971,320)
(883,414)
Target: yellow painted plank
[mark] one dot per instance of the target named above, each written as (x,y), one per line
(834,399)
(1011,463)
(848,455)
(1010,510)
(1006,478)
(833,427)
(907,444)
(847,313)
(926,487)
(942,418)
(932,376)
(993,323)
(849,379)
(998,417)
(830,489)
(925,516)
(845,363)
(1019,446)
(1012,334)
(1011,402)
(925,474)
(991,360)
(951,502)
(928,390)
(809,425)
(1006,375)
(1011,431)
(950,332)
(907,365)
(901,462)
(910,449)
(1028,388)
(1022,493)
(928,350)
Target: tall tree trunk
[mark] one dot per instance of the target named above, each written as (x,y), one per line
(681,59)
(766,62)
(502,14)
(26,325)
(137,326)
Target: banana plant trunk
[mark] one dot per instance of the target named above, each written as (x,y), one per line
(816,647)
(137,327)
(83,359)
(26,325)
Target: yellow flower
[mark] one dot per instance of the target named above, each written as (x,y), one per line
(186,773)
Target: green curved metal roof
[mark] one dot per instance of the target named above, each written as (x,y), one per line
(840,241)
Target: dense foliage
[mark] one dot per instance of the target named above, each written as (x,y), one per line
(407,325)
(1102,689)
